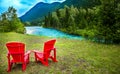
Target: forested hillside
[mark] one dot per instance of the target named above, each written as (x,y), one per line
(41,9)
(100,23)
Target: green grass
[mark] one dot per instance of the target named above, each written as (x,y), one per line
(74,56)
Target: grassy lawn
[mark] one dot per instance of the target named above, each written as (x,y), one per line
(74,56)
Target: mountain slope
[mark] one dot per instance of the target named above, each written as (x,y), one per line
(39,11)
(42,9)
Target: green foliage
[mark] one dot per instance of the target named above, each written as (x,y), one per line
(99,22)
(10,22)
(110,26)
(55,20)
(27,23)
(72,26)
(36,22)
(81,3)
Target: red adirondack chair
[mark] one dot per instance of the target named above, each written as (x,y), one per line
(47,53)
(16,54)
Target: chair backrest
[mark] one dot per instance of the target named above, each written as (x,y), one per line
(48,46)
(16,50)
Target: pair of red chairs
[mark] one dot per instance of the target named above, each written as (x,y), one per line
(16,54)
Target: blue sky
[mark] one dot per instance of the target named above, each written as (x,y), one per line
(22,5)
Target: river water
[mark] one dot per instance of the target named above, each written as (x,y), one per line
(40,31)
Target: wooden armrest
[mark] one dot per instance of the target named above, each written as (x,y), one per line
(28,52)
(35,51)
(53,49)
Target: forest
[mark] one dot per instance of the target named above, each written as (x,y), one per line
(100,23)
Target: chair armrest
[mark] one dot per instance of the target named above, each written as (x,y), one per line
(27,53)
(35,51)
(53,49)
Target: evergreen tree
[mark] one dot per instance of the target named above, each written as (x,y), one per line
(58,13)
(46,21)
(71,27)
(67,15)
(81,19)
(50,22)
(56,22)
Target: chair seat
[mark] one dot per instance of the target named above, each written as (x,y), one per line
(40,55)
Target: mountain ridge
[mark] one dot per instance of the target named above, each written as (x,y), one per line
(39,11)
(34,13)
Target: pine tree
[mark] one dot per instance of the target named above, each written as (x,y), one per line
(67,15)
(71,27)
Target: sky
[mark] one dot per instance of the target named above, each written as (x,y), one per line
(22,6)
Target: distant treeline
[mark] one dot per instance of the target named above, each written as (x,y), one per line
(101,23)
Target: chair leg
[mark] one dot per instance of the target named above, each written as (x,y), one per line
(45,63)
(9,66)
(23,66)
(28,59)
(54,59)
(35,57)
(9,69)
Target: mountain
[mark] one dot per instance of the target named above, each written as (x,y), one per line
(42,9)
(39,11)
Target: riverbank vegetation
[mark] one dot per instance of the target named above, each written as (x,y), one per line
(74,56)
(100,22)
